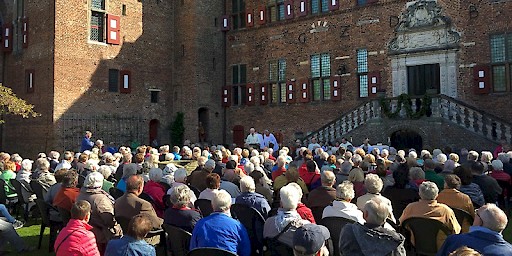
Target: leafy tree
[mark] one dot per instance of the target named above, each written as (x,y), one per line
(177,129)
(11,104)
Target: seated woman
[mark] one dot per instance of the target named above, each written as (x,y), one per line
(401,194)
(180,215)
(342,207)
(212,186)
(156,190)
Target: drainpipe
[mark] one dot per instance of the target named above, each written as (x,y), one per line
(224,66)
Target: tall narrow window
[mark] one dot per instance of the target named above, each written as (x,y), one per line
(318,6)
(276,10)
(320,74)
(277,79)
(97,22)
(238,13)
(113,80)
(362,72)
(239,79)
(501,61)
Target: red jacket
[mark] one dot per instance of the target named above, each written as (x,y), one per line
(305,213)
(76,239)
(157,192)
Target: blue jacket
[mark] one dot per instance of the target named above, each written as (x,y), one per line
(221,231)
(488,243)
(129,246)
(255,200)
(87,144)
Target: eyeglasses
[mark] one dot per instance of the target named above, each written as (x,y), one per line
(476,213)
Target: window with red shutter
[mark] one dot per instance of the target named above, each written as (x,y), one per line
(113,29)
(249,21)
(373,83)
(288,9)
(7,37)
(304,90)
(226,96)
(29,80)
(125,81)
(290,92)
(263,94)
(482,79)
(262,15)
(250,95)
(303,8)
(333,5)
(335,88)
(24,32)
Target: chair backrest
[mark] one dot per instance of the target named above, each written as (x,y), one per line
(204,205)
(335,225)
(178,240)
(276,248)
(425,231)
(123,222)
(37,188)
(464,218)
(317,212)
(253,221)
(43,209)
(65,215)
(115,192)
(19,190)
(210,252)
(506,186)
(3,194)
(195,190)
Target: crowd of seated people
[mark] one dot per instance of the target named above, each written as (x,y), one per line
(112,201)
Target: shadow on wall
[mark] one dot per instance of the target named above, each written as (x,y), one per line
(129,92)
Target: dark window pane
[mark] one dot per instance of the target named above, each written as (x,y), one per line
(326,89)
(97,26)
(154,96)
(243,74)
(317,90)
(235,75)
(236,97)
(113,80)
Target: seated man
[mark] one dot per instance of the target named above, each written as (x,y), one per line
(129,205)
(485,235)
(76,238)
(309,240)
(371,238)
(132,243)
(324,195)
(250,198)
(428,207)
(219,230)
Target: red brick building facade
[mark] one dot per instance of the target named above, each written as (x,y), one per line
(124,68)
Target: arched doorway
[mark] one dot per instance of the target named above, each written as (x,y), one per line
(406,139)
(238,135)
(202,124)
(153,133)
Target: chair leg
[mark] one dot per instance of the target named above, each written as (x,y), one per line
(41,232)
(25,215)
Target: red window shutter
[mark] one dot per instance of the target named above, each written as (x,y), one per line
(263,94)
(24,32)
(29,80)
(304,90)
(249,18)
(335,88)
(262,15)
(125,81)
(333,5)
(225,23)
(373,84)
(303,8)
(226,96)
(288,9)
(250,95)
(7,37)
(113,29)
(290,92)
(482,79)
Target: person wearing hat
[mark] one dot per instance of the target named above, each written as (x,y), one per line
(309,240)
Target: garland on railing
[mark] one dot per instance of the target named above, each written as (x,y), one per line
(405,100)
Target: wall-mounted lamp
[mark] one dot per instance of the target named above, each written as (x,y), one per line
(473,11)
(342,69)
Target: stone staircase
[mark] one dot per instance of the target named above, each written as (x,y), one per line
(441,110)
